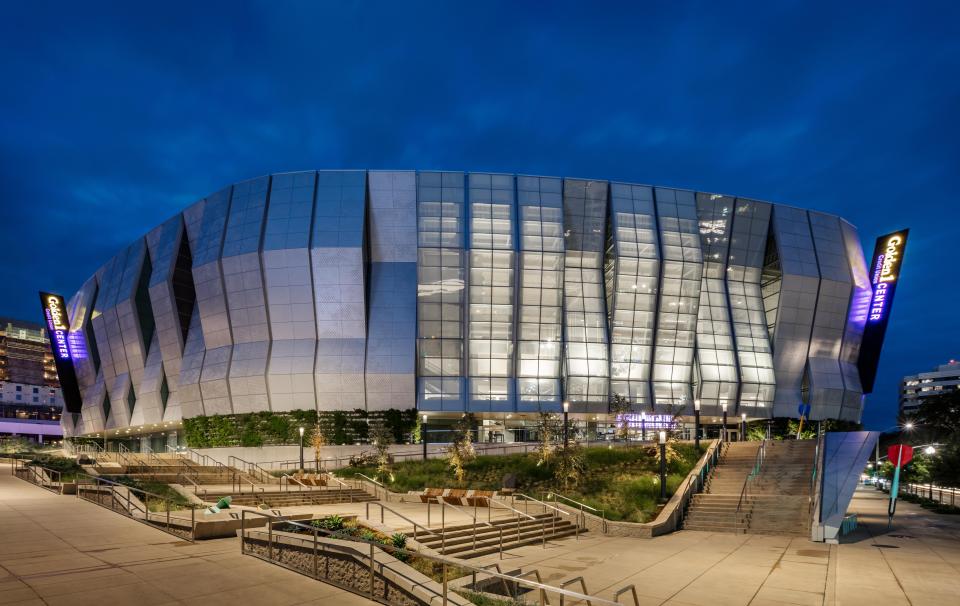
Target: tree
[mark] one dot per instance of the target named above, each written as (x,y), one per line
(461,451)
(548,428)
(568,465)
(938,416)
(619,407)
(382,438)
(318,442)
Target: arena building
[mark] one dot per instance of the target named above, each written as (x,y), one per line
(447,292)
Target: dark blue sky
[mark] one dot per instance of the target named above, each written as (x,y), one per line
(112,118)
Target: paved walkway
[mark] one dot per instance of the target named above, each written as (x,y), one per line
(917,562)
(61,550)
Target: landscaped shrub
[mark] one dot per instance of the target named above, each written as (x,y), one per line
(624,482)
(280,428)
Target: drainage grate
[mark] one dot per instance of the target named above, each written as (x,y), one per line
(901,536)
(882,546)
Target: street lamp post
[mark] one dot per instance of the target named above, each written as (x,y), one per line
(663,466)
(696,425)
(423,435)
(723,434)
(301,450)
(566,424)
(743,427)
(643,427)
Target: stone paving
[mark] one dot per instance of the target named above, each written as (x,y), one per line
(916,562)
(60,550)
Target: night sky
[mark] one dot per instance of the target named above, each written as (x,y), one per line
(113,118)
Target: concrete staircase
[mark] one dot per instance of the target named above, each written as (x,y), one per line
(475,540)
(777,499)
(294,498)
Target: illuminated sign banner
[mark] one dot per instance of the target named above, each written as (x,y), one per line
(884,276)
(58,329)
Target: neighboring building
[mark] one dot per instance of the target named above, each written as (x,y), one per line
(913,389)
(30,399)
(501,295)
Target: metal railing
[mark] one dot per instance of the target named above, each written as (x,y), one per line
(44,477)
(252,469)
(553,511)
(748,481)
(583,586)
(135,504)
(287,546)
(416,525)
(377,487)
(476,523)
(581,507)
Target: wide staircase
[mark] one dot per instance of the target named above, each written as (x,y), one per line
(474,540)
(294,498)
(743,495)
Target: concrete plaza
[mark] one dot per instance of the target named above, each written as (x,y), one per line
(916,562)
(61,550)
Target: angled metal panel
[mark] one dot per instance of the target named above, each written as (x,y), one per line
(390,367)
(797,305)
(833,301)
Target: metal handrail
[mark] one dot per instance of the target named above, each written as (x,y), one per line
(131,505)
(196,487)
(402,517)
(754,472)
(443,561)
(258,472)
(386,491)
(443,524)
(623,590)
(539,502)
(583,585)
(52,482)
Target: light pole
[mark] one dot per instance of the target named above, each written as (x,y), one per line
(423,434)
(723,434)
(696,425)
(301,450)
(743,427)
(643,427)
(566,424)
(663,466)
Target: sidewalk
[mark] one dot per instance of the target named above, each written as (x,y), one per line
(61,550)
(917,562)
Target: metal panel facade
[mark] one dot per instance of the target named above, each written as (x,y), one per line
(488,293)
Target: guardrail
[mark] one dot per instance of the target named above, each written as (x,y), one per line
(44,477)
(275,546)
(135,504)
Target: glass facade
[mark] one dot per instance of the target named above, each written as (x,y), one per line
(489,293)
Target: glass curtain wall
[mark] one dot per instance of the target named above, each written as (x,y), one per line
(440,290)
(716,356)
(682,269)
(586,360)
(748,244)
(539,327)
(491,296)
(633,274)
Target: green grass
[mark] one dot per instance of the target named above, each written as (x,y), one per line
(624,482)
(171,498)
